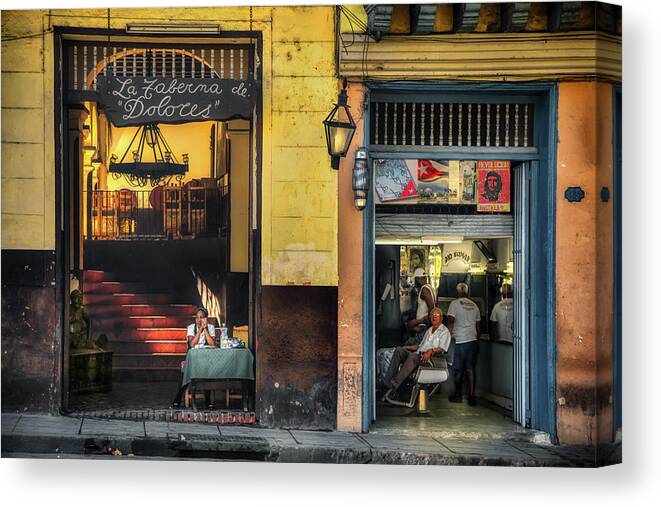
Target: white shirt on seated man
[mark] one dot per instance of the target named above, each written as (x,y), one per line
(435,341)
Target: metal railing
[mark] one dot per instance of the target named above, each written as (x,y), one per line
(172,212)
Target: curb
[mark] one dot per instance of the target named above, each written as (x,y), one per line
(201,446)
(319,454)
(266,449)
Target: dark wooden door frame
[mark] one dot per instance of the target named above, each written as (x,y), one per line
(62,198)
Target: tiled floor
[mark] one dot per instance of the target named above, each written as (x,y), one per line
(133,396)
(447,419)
(127,396)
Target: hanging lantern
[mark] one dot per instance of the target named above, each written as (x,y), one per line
(340,128)
(360,179)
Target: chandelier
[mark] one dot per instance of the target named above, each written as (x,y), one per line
(138,173)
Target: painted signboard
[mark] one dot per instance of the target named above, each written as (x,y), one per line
(139,100)
(457,257)
(493,178)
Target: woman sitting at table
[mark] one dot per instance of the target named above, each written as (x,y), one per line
(201,333)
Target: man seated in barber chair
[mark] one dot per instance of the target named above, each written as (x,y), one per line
(408,358)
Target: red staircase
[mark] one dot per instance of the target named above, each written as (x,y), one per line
(146,330)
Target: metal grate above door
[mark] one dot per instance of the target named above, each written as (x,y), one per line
(452,125)
(86,61)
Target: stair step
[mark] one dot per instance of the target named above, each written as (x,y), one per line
(144,321)
(143,333)
(128,299)
(172,360)
(149,347)
(109,310)
(116,288)
(94,275)
(147,334)
(147,368)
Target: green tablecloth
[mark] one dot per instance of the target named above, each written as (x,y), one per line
(218,364)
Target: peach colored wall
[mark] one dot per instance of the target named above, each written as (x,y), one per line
(584,264)
(604,286)
(350,287)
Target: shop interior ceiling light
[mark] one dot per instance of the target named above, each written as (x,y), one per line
(160,171)
(421,241)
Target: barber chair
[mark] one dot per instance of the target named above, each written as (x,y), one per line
(426,380)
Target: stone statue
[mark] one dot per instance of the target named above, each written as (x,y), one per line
(78,322)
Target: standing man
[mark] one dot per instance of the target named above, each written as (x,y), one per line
(426,301)
(464,324)
(501,316)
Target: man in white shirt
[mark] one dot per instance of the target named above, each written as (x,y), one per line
(464,323)
(426,301)
(436,341)
(501,316)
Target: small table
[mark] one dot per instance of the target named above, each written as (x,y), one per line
(215,365)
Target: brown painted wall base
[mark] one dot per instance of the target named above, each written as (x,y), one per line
(29,328)
(296,358)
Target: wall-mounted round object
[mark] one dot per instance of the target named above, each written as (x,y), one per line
(574,194)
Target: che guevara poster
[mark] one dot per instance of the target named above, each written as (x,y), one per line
(493,186)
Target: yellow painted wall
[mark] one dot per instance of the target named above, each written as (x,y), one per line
(299,207)
(239,135)
(27,134)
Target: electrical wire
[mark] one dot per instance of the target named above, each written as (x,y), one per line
(27,36)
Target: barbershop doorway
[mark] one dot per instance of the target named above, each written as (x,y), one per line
(449,231)
(159,219)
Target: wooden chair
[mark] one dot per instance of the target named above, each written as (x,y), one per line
(126,205)
(104,214)
(173,207)
(196,207)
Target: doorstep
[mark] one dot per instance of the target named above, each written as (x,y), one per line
(171,415)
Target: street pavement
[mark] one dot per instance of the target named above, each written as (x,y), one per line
(65,437)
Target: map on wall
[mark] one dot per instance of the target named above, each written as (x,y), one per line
(393,180)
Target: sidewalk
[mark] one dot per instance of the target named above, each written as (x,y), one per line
(52,435)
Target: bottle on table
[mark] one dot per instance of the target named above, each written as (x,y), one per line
(224,338)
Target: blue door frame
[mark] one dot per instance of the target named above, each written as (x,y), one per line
(542,227)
